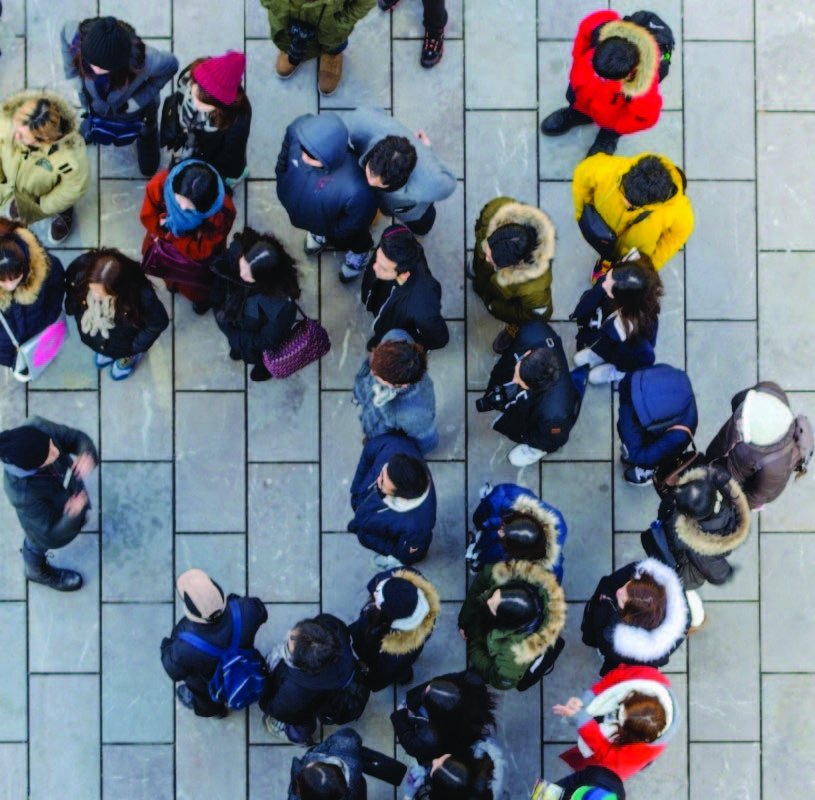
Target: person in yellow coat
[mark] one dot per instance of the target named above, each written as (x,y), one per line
(622,189)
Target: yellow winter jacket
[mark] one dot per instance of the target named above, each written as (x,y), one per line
(660,235)
(44,180)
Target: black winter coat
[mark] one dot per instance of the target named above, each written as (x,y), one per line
(415,306)
(345,745)
(125,339)
(334,200)
(539,419)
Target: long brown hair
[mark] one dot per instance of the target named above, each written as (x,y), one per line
(645,607)
(639,309)
(644,720)
(118,78)
(121,277)
(223,115)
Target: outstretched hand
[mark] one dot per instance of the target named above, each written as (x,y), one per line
(572,706)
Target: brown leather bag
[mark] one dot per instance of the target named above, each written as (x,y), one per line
(666,476)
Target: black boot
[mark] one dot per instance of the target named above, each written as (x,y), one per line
(201,307)
(606,142)
(562,121)
(38,570)
(260,373)
(149,152)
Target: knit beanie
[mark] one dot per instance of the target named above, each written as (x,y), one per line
(26,447)
(399,597)
(221,76)
(512,244)
(203,598)
(107,44)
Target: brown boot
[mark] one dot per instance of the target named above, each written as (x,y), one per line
(283,67)
(329,74)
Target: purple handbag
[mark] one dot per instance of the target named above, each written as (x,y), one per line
(164,260)
(307,342)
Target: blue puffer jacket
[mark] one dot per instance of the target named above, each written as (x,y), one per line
(333,200)
(404,534)
(652,401)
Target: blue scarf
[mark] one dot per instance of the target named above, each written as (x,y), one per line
(180,220)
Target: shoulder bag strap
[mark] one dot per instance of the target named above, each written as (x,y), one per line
(687,430)
(235,610)
(639,218)
(16,344)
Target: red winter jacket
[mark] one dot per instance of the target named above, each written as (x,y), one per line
(626,106)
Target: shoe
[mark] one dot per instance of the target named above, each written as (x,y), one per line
(523,455)
(283,67)
(184,695)
(406,677)
(606,142)
(259,373)
(587,357)
(63,580)
(102,361)
(387,5)
(605,373)
(61,226)
(637,476)
(698,617)
(562,121)
(148,153)
(432,48)
(502,342)
(123,367)
(383,563)
(201,307)
(353,266)
(275,727)
(234,354)
(314,244)
(329,74)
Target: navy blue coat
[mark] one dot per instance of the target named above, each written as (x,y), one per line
(652,401)
(405,535)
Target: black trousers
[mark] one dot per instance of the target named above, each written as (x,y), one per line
(435,15)
(423,225)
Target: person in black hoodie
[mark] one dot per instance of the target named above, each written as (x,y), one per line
(253,297)
(205,616)
(324,191)
(400,292)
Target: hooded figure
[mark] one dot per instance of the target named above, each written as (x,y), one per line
(343,750)
(500,651)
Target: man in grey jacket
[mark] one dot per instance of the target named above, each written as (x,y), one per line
(408,178)
(48,492)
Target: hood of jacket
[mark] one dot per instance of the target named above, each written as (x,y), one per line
(548,522)
(72,139)
(39,265)
(325,137)
(489,747)
(663,396)
(642,645)
(639,81)
(400,643)
(710,543)
(552,599)
(541,259)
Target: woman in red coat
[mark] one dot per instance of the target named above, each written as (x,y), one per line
(189,208)
(624,722)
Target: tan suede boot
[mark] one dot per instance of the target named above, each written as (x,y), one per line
(329,74)
(283,67)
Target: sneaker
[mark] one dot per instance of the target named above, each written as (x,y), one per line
(587,357)
(314,244)
(234,354)
(353,266)
(184,695)
(61,226)
(275,727)
(606,142)
(383,563)
(432,48)
(387,5)
(102,361)
(562,121)
(283,67)
(329,74)
(637,476)
(698,617)
(605,373)
(123,367)
(523,455)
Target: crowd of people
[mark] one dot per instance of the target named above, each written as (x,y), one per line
(335,174)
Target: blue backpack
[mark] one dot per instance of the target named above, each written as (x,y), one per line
(241,674)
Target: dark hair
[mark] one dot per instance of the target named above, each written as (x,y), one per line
(392,159)
(697,498)
(463,777)
(512,245)
(43,118)
(121,277)
(316,647)
(223,116)
(646,604)
(644,720)
(409,475)
(402,247)
(13,260)
(636,296)
(648,181)
(519,607)
(460,708)
(321,781)
(199,183)
(118,78)
(271,266)
(540,370)
(399,362)
(523,536)
(615,58)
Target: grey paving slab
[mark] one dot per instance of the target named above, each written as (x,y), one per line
(201,36)
(670,347)
(446,650)
(719,115)
(341,445)
(561,20)
(73,368)
(12,78)
(269,770)
(446,367)
(67,754)
(284,532)
(787,595)
(14,771)
(136,692)
(137,532)
(14,16)
(785,735)
(518,716)
(665,139)
(721,253)
(137,772)
(724,702)
(407,22)
(730,771)
(784,348)
(223,556)
(53,645)
(481,330)
(444,250)
(727,19)
(12,401)
(210,468)
(118,199)
(152,20)
(14,694)
(256,21)
(12,581)
(346,572)
(744,585)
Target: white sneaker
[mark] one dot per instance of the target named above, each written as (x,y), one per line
(605,373)
(697,609)
(383,563)
(314,244)
(523,455)
(587,357)
(275,727)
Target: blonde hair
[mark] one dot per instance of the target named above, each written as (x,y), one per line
(42,117)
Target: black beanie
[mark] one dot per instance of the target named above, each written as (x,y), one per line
(400,598)
(512,244)
(107,44)
(26,447)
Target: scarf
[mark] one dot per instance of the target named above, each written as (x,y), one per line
(382,394)
(180,220)
(98,318)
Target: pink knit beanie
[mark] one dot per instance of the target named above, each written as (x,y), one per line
(221,76)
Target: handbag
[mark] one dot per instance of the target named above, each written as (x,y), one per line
(39,351)
(597,232)
(171,134)
(307,342)
(380,766)
(104,131)
(667,476)
(164,260)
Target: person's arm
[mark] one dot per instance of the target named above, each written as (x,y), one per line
(584,182)
(359,485)
(674,236)
(230,160)
(66,38)
(282,166)
(638,114)
(74,180)
(171,667)
(357,214)
(470,609)
(270,332)
(154,319)
(644,453)
(485,664)
(153,208)
(583,40)
(415,736)
(380,539)
(164,67)
(206,243)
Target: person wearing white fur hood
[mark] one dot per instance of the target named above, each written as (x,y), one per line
(637,615)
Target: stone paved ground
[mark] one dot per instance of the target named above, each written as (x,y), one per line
(250,482)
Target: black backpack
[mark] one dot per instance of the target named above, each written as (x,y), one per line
(659,29)
(346,704)
(541,666)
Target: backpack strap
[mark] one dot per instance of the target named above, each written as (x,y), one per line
(199,644)
(235,610)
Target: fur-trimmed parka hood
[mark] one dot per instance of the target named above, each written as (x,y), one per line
(549,522)
(39,261)
(712,543)
(402,642)
(639,81)
(642,646)
(72,137)
(553,602)
(540,261)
